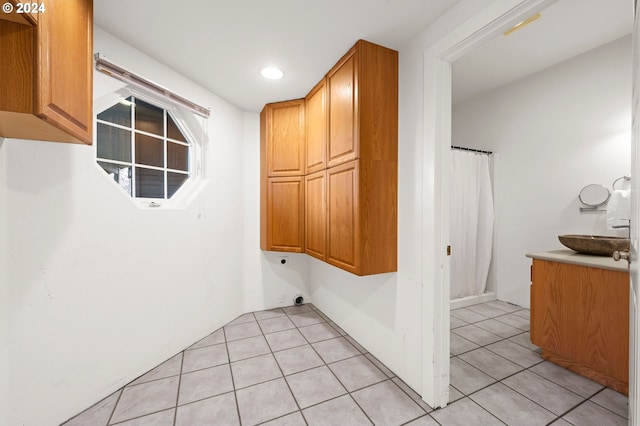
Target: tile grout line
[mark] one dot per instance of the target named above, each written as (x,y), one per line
(233,383)
(175,412)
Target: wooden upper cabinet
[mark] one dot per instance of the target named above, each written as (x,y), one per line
(46,92)
(283,214)
(317,120)
(362,214)
(283,130)
(363,105)
(342,141)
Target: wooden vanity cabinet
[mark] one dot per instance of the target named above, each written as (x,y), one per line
(580,319)
(46,64)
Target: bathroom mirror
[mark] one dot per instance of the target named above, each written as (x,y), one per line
(594,195)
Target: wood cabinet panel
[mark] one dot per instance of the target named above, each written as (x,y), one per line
(283,227)
(65,67)
(580,319)
(316,131)
(343,226)
(46,92)
(316,215)
(285,138)
(342,111)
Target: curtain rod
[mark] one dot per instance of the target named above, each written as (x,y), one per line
(471,150)
(107,67)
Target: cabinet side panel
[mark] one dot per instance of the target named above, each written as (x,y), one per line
(378,211)
(378,102)
(64,93)
(16,67)
(342,184)
(315,215)
(263,180)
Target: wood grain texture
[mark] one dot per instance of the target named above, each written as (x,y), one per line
(285,214)
(362,221)
(64,67)
(343,226)
(581,315)
(19,18)
(316,130)
(316,215)
(343,110)
(285,138)
(16,67)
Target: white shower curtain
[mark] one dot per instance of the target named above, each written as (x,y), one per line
(471,222)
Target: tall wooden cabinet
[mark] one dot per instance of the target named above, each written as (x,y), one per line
(46,64)
(282,168)
(351,162)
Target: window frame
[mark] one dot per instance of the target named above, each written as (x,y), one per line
(187,122)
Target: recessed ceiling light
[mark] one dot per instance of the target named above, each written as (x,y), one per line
(272,73)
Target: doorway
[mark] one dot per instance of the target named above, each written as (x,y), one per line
(489,22)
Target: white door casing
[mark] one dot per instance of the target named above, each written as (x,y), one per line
(634,232)
(492,20)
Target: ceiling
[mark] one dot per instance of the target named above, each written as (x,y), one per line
(222,45)
(564,30)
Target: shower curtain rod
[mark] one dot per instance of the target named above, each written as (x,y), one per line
(471,150)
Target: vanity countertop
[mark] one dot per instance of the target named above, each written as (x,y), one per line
(570,256)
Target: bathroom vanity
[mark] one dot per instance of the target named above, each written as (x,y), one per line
(580,314)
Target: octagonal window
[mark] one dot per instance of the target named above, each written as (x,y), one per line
(142,147)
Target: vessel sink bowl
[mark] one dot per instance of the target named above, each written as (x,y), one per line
(594,244)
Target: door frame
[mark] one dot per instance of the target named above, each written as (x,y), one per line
(489,22)
(634,231)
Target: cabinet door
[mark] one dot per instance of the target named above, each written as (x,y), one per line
(580,319)
(316,119)
(315,215)
(285,138)
(285,214)
(343,137)
(64,67)
(343,221)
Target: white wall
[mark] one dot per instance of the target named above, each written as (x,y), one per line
(551,133)
(267,283)
(100,291)
(4,289)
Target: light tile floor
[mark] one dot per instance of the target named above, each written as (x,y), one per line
(294,366)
